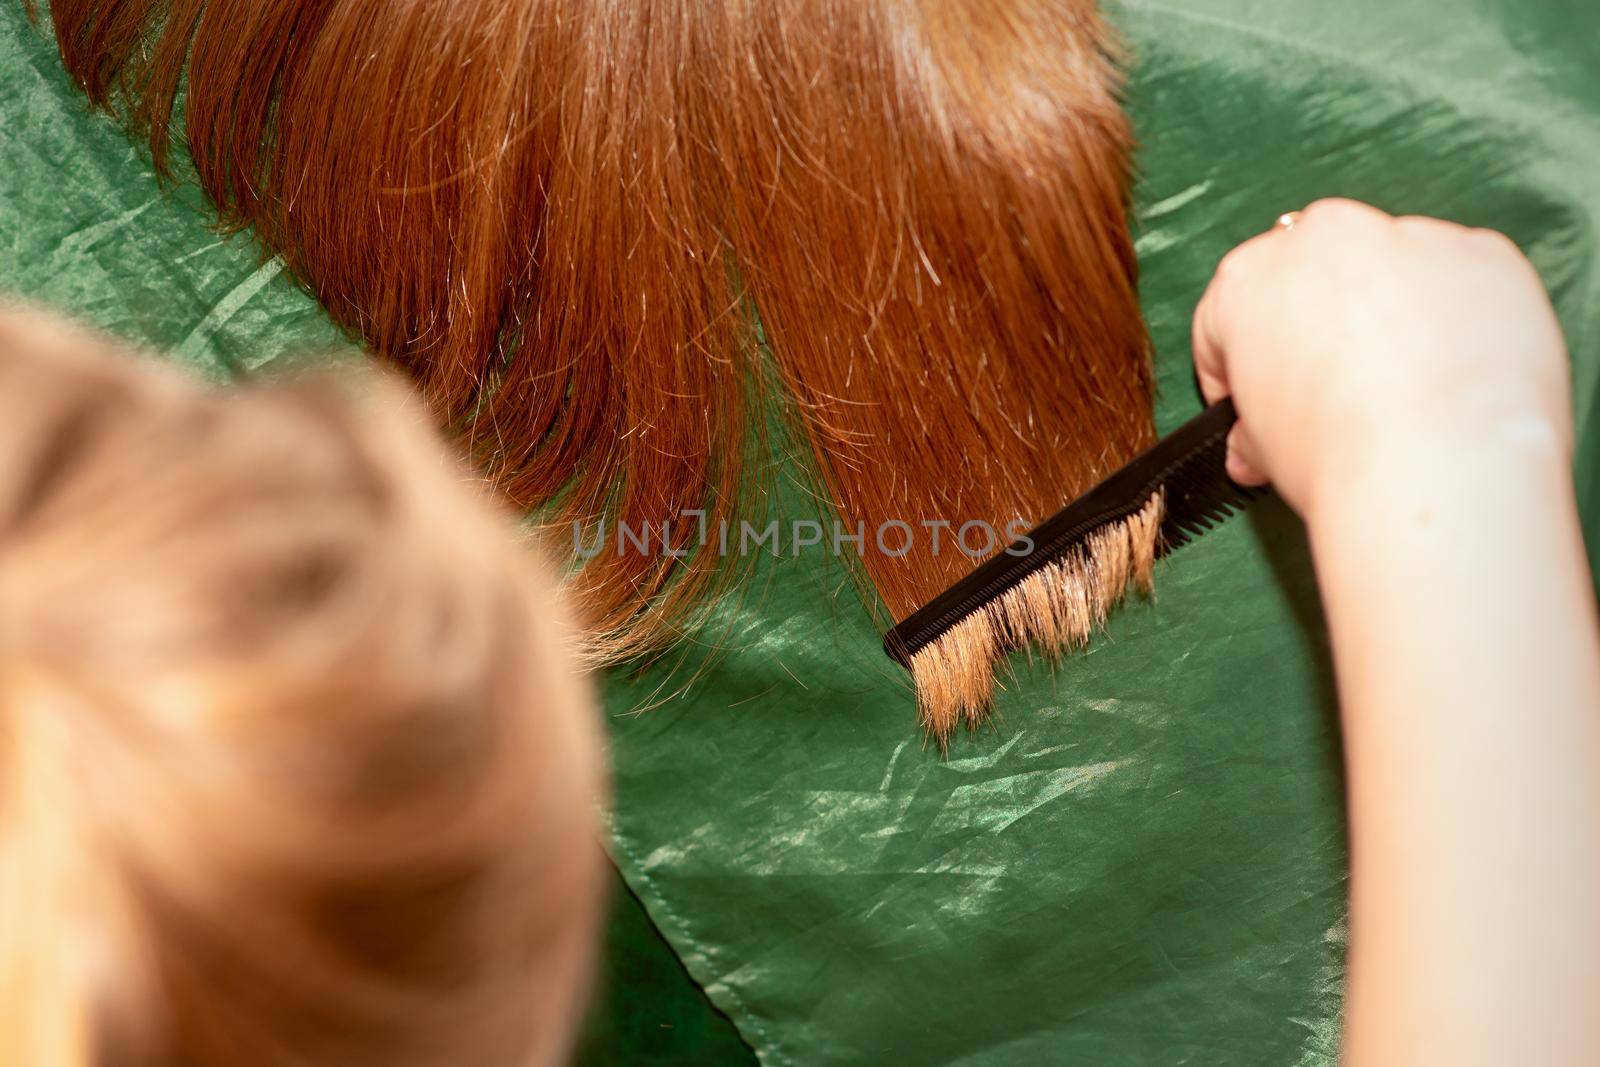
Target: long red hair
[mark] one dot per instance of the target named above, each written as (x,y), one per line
(582,224)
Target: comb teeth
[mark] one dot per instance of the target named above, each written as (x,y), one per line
(1200,496)
(952,643)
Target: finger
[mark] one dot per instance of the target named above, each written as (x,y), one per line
(1241,472)
(1423,226)
(1210,363)
(1242,466)
(1208,331)
(1343,211)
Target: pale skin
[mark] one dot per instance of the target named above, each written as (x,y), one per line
(1404,385)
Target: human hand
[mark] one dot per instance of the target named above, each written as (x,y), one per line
(1357,344)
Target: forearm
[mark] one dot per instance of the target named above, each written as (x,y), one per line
(1464,632)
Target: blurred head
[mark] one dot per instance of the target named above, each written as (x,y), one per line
(294,767)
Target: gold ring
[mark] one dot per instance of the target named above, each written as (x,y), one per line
(1286,221)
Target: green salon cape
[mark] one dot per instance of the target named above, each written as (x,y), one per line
(1143,860)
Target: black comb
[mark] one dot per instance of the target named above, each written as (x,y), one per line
(1188,466)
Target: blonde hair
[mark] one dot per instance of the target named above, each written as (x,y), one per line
(293,764)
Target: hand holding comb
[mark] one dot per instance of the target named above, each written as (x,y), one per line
(1055,585)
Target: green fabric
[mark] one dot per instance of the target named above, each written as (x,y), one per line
(647,1012)
(85,227)
(1143,861)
